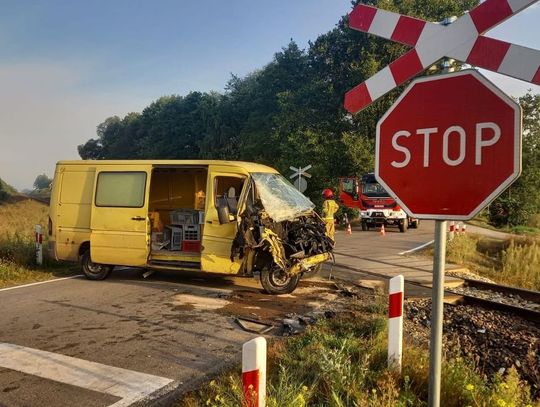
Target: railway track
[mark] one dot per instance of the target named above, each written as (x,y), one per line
(518,301)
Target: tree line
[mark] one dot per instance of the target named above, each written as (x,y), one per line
(289,112)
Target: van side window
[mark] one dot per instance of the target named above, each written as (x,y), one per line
(227,191)
(121,189)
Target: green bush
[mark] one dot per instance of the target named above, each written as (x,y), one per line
(18,249)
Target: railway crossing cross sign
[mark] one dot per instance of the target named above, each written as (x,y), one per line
(461,40)
(300,174)
(449,145)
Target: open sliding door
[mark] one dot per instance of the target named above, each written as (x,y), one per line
(120,224)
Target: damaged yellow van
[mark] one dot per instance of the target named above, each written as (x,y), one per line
(212,216)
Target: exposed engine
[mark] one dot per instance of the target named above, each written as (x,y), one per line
(288,242)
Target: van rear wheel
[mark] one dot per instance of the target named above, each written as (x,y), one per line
(94,271)
(276,281)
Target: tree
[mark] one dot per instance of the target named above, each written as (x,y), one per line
(289,112)
(521,201)
(42,182)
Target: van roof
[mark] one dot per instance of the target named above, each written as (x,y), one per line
(249,166)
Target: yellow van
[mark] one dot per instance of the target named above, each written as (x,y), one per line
(212,216)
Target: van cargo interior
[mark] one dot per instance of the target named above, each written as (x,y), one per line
(176,211)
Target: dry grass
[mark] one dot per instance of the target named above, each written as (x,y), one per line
(17,244)
(514,262)
(21,217)
(521,264)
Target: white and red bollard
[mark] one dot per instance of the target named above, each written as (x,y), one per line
(254,372)
(463,228)
(395,322)
(452,230)
(39,246)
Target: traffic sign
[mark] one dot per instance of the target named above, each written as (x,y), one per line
(449,145)
(461,40)
(300,183)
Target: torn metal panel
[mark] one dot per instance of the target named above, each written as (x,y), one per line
(251,325)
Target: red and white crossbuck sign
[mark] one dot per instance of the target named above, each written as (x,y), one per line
(461,40)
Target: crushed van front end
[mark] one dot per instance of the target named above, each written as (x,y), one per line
(279,235)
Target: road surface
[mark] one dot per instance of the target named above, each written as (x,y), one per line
(130,340)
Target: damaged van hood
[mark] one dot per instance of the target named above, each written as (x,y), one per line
(280,199)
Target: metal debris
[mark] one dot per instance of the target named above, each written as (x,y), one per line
(252,325)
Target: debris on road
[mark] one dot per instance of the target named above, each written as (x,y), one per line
(252,325)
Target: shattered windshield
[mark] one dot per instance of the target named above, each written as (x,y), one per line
(281,200)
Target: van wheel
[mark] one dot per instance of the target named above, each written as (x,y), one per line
(94,271)
(275,281)
(364,226)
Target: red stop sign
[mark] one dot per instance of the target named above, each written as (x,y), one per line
(449,145)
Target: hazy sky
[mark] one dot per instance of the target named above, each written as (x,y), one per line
(66,65)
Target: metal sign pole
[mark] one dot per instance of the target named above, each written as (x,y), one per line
(437,296)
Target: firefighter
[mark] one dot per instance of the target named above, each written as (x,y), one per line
(329,208)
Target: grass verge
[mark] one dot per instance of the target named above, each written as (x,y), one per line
(514,262)
(17,245)
(342,362)
(18,262)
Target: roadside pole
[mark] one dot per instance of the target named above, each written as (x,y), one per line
(39,245)
(254,372)
(437,296)
(395,322)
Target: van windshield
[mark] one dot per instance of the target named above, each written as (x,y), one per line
(281,200)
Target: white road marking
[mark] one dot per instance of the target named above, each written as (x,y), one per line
(129,385)
(417,248)
(54,280)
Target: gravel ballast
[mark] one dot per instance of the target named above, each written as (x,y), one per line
(495,340)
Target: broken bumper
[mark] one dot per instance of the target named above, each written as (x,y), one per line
(308,263)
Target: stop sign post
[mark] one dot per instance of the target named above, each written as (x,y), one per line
(449,145)
(445,149)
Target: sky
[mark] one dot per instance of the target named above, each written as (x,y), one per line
(67,65)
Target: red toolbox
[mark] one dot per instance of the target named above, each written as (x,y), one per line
(191,245)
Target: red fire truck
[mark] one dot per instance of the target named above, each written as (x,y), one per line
(375,205)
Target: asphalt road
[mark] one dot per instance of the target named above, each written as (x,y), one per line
(127,339)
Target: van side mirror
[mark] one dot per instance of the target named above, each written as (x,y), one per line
(223,214)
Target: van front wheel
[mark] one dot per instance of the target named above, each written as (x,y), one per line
(94,271)
(276,281)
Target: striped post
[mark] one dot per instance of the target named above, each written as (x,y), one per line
(452,230)
(461,40)
(39,245)
(254,372)
(395,322)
